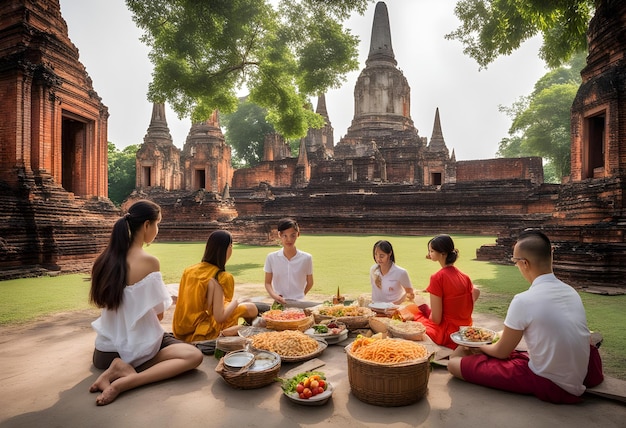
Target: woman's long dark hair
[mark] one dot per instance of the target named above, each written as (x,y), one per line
(445,244)
(108,275)
(216,248)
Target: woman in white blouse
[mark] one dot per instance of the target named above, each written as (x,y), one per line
(126,283)
(390,282)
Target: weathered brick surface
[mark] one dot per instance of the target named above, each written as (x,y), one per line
(53,146)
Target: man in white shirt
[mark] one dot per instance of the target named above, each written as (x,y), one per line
(560,362)
(289,271)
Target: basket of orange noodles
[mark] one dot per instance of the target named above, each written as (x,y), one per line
(388,372)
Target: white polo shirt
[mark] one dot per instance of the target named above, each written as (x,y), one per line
(289,276)
(553,319)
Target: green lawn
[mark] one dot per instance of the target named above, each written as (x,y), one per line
(339,261)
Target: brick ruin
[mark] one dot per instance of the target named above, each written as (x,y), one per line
(588,223)
(382,177)
(54,211)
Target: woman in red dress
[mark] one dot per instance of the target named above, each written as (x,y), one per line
(452,294)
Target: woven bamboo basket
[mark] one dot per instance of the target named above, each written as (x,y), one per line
(299,324)
(248,379)
(379,324)
(410,330)
(352,322)
(387,385)
(231,343)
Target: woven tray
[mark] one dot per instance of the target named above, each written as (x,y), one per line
(300,324)
(410,330)
(231,343)
(352,322)
(379,324)
(248,379)
(387,385)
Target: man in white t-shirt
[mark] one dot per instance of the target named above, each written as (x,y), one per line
(288,271)
(560,362)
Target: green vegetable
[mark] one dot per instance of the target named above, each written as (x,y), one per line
(277,305)
(320,328)
(289,385)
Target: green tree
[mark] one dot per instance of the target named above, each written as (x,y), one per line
(490,28)
(122,172)
(541,122)
(283,52)
(246,129)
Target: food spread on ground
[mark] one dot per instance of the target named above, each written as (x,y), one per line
(286,343)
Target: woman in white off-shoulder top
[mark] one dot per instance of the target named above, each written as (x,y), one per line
(126,283)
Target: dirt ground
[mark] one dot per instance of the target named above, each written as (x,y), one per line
(45,373)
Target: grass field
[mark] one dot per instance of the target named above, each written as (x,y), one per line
(339,261)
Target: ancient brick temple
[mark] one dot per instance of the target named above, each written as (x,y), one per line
(382,177)
(54,213)
(588,224)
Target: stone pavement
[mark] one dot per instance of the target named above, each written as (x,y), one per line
(45,373)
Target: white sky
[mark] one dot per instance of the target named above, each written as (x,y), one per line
(438,72)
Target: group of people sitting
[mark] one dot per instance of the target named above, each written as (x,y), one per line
(133,349)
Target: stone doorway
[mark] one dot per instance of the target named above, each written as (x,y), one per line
(74,130)
(594,147)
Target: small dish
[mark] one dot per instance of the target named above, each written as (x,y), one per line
(238,360)
(316,400)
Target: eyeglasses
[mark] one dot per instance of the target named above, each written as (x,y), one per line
(517,259)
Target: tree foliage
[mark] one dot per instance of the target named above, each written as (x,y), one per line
(122,172)
(204,52)
(245,133)
(490,28)
(541,121)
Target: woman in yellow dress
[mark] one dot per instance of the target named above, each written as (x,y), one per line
(206,303)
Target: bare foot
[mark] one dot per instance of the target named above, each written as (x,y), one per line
(108,395)
(116,370)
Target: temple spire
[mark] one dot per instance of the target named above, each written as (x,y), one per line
(321,106)
(436,140)
(380,45)
(158,124)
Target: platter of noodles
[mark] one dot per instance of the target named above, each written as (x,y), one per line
(354,317)
(473,336)
(291,345)
(387,351)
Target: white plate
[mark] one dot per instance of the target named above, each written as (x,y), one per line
(316,400)
(238,359)
(382,305)
(457,338)
(264,360)
(331,339)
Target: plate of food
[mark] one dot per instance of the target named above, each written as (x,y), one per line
(308,389)
(331,332)
(473,336)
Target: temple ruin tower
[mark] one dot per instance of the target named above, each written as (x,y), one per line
(320,142)
(382,143)
(206,157)
(54,125)
(439,167)
(158,159)
(54,211)
(382,96)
